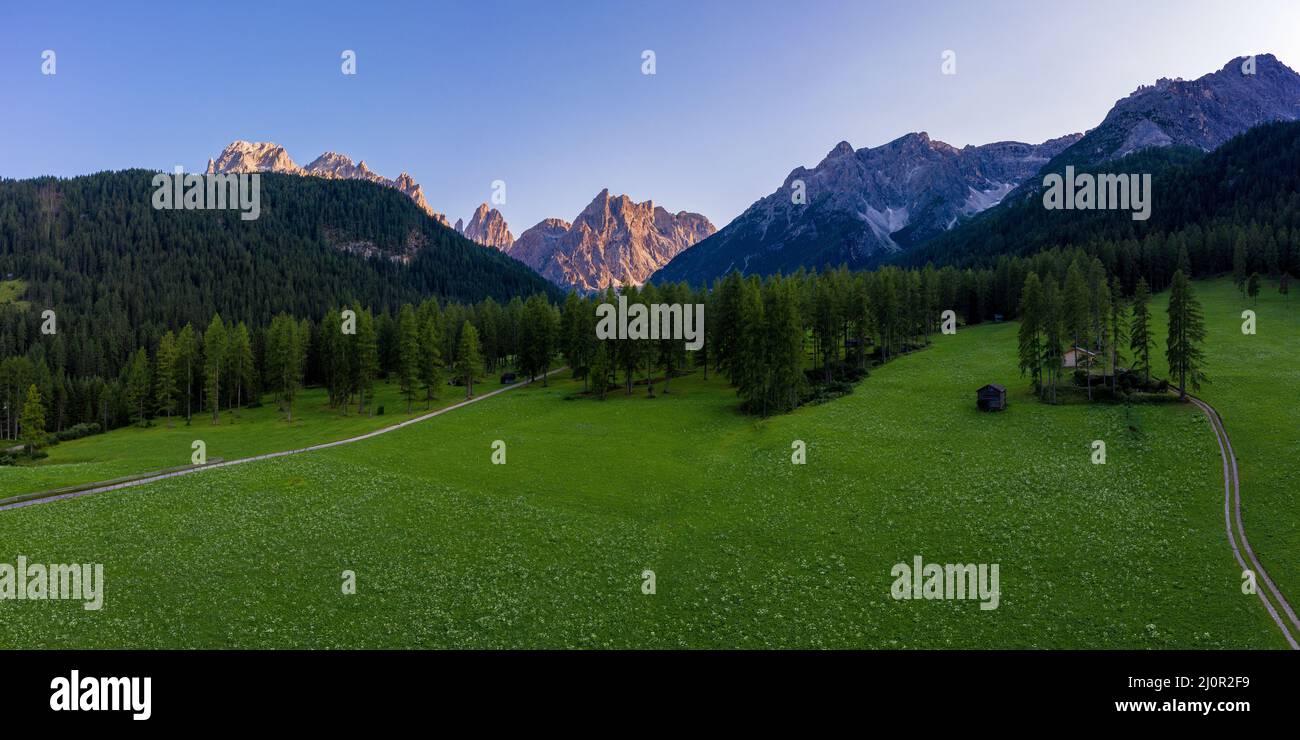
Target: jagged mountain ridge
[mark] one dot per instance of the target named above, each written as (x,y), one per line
(614,241)
(264,156)
(861,205)
(487,227)
(845,220)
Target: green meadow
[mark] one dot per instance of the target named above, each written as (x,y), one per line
(1255,387)
(134,451)
(748,550)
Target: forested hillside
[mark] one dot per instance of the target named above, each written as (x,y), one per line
(1242,200)
(119,274)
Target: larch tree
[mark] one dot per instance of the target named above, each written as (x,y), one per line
(1186,333)
(1140,340)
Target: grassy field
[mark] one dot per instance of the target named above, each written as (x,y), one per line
(1255,386)
(135,450)
(748,550)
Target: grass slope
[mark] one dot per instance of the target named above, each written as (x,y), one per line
(1255,386)
(748,549)
(133,451)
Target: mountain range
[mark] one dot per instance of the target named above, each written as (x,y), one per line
(262,156)
(614,241)
(866,206)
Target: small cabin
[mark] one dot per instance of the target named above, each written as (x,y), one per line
(992,397)
(1077,356)
(507,378)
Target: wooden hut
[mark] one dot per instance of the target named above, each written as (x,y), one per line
(992,397)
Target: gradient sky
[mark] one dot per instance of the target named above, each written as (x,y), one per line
(549,96)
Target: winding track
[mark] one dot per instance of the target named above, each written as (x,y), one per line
(1232,514)
(267,456)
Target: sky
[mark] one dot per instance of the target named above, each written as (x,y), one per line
(550,96)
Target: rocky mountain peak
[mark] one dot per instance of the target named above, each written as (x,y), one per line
(488,227)
(246,156)
(250,156)
(614,241)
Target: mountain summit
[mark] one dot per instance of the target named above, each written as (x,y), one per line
(866,205)
(263,156)
(857,206)
(615,241)
(487,227)
(1203,113)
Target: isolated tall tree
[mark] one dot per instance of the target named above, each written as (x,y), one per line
(215,343)
(468,360)
(32,422)
(1140,340)
(165,376)
(1186,333)
(1252,287)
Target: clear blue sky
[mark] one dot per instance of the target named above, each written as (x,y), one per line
(549,96)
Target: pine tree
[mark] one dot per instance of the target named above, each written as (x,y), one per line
(242,367)
(1240,265)
(408,353)
(214,362)
(365,358)
(430,370)
(602,368)
(783,354)
(136,385)
(1031,331)
(1055,335)
(1118,332)
(468,361)
(165,393)
(1252,287)
(32,422)
(1186,332)
(187,356)
(1140,340)
(750,365)
(285,356)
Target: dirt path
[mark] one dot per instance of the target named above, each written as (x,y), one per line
(267,456)
(1232,515)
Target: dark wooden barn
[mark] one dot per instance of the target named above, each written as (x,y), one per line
(992,397)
